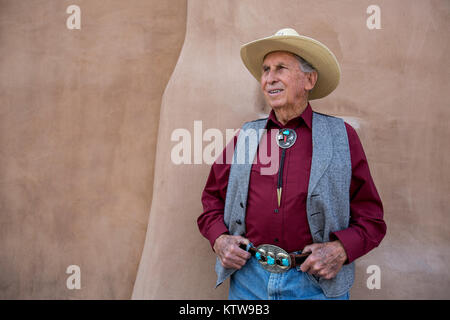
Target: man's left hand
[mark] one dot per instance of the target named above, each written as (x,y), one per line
(325,260)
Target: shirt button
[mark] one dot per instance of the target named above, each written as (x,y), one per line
(276,210)
(275,240)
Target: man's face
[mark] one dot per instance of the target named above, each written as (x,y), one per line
(283,83)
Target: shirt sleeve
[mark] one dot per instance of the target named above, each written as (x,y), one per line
(210,222)
(367,227)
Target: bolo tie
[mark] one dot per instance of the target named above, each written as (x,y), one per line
(285,139)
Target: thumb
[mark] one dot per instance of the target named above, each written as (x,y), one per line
(308,248)
(242,240)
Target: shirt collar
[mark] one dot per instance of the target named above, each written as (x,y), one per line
(306,117)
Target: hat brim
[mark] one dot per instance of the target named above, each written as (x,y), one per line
(316,53)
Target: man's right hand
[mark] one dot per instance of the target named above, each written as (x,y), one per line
(230,255)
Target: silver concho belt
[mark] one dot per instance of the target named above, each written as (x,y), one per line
(273,258)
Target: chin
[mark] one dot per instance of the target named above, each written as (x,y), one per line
(276,106)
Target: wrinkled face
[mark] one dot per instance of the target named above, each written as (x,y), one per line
(283,83)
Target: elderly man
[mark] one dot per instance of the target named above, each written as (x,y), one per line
(293,234)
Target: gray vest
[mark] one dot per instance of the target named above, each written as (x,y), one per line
(328,200)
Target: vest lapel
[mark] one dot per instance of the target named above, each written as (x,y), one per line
(245,168)
(322,150)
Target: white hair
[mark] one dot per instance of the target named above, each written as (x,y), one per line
(305,66)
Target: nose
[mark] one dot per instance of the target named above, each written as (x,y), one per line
(271,77)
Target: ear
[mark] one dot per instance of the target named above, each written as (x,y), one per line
(311,80)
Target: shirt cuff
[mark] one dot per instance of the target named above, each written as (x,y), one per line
(349,239)
(215,231)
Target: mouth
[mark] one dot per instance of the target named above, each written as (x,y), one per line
(275,91)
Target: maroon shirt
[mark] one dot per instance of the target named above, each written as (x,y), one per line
(287,226)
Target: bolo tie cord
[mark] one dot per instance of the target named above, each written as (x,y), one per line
(280,177)
(280,172)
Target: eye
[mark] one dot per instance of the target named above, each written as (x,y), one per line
(266,68)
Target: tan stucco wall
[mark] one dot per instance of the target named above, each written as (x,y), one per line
(86,118)
(78,130)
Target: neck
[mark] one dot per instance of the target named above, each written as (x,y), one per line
(285,114)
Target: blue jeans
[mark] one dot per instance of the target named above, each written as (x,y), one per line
(252,282)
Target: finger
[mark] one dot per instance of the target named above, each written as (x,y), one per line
(311,264)
(327,274)
(244,241)
(306,265)
(241,240)
(238,250)
(240,253)
(228,264)
(231,261)
(324,274)
(235,254)
(317,269)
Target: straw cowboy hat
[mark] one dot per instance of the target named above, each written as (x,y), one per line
(311,50)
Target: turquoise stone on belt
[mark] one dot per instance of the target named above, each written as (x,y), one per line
(270,261)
